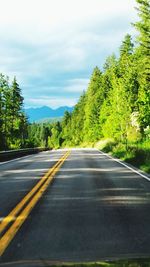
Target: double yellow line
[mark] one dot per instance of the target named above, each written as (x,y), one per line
(20,213)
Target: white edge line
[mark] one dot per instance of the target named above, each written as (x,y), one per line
(130,168)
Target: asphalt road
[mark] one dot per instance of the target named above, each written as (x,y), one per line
(94,209)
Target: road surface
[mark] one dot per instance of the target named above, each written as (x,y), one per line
(95,208)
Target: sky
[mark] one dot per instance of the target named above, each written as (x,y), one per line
(52,46)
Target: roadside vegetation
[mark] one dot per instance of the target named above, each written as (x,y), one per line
(113,114)
(115,108)
(137,154)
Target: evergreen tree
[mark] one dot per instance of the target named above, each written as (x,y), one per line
(55,140)
(127,46)
(78,120)
(17,101)
(94,100)
(143,61)
(13,122)
(66,128)
(2,105)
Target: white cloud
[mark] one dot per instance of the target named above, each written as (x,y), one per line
(41,20)
(43,41)
(76,85)
(53,102)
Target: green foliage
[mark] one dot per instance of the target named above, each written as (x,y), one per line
(39,134)
(13,122)
(137,154)
(116,104)
(94,100)
(143,61)
(55,139)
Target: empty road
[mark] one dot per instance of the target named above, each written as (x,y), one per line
(79,205)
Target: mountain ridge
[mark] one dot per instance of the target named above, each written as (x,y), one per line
(44,112)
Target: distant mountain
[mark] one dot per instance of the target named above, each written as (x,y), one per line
(50,120)
(45,113)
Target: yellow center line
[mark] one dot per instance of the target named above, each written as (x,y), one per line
(11,232)
(12,215)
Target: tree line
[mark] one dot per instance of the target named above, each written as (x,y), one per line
(15,130)
(13,121)
(115,105)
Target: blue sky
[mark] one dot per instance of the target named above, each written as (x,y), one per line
(52,46)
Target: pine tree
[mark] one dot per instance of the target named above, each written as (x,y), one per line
(16,108)
(5,107)
(94,99)
(78,120)
(143,26)
(143,55)
(2,104)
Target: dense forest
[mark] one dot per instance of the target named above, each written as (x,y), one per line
(115,106)
(117,101)
(13,122)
